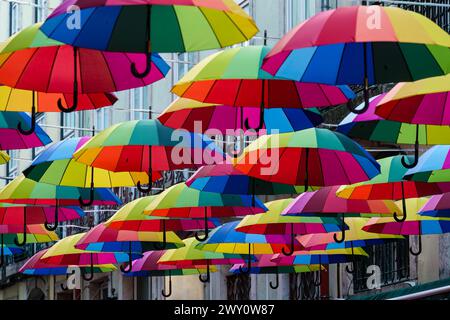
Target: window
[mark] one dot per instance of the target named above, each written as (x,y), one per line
(68,123)
(40,10)
(298,11)
(392,258)
(185,61)
(15,17)
(139,104)
(12,164)
(102,118)
(40,120)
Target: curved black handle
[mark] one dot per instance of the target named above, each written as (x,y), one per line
(130,262)
(139,186)
(318,280)
(32,123)
(91,197)
(352,108)
(207,278)
(249,261)
(419,249)
(75,86)
(163,291)
(164,243)
(206,231)
(347,268)
(277,282)
(64,287)
(91,271)
(261,110)
(342,239)
(148,67)
(24,240)
(416,153)
(403,218)
(48,226)
(291,247)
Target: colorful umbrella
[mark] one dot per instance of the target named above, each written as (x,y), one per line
(361,45)
(369,126)
(320,256)
(265,265)
(131,217)
(196,116)
(152,26)
(438,206)
(104,239)
(414,224)
(7,250)
(11,138)
(37,234)
(15,100)
(35,267)
(390,185)
(31,61)
(317,157)
(64,253)
(433,166)
(225,178)
(234,77)
(421,102)
(28,192)
(226,239)
(147,145)
(148,266)
(56,166)
(324,202)
(4,157)
(272,222)
(180,201)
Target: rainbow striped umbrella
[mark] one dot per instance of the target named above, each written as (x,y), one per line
(180,201)
(234,77)
(15,100)
(4,157)
(64,253)
(317,157)
(361,45)
(148,266)
(370,126)
(152,26)
(438,206)
(190,257)
(36,267)
(272,222)
(11,138)
(320,256)
(56,166)
(324,202)
(391,185)
(104,239)
(131,217)
(7,250)
(31,61)
(196,116)
(415,224)
(147,146)
(433,166)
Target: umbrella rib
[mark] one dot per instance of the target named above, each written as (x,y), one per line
(237,93)
(404,59)
(79,33)
(236,26)
(340,64)
(102,54)
(25,66)
(212,29)
(51,68)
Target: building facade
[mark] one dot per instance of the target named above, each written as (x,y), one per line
(398,268)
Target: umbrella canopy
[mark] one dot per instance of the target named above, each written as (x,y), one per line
(25,191)
(272,222)
(433,166)
(152,25)
(348,45)
(34,266)
(316,157)
(390,185)
(225,178)
(438,206)
(4,157)
(265,265)
(369,126)
(421,102)
(186,114)
(56,166)
(320,256)
(415,224)
(132,217)
(147,145)
(10,136)
(30,60)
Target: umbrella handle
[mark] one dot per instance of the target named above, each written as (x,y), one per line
(148,66)
(91,196)
(164,243)
(419,249)
(91,271)
(249,261)
(75,86)
(2,251)
(205,237)
(318,280)
(32,123)
(261,110)
(206,279)
(24,240)
(163,291)
(365,89)
(63,287)
(416,153)
(130,262)
(342,239)
(403,218)
(139,186)
(291,248)
(277,282)
(351,271)
(49,227)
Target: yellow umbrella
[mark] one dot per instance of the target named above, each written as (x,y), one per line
(4,157)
